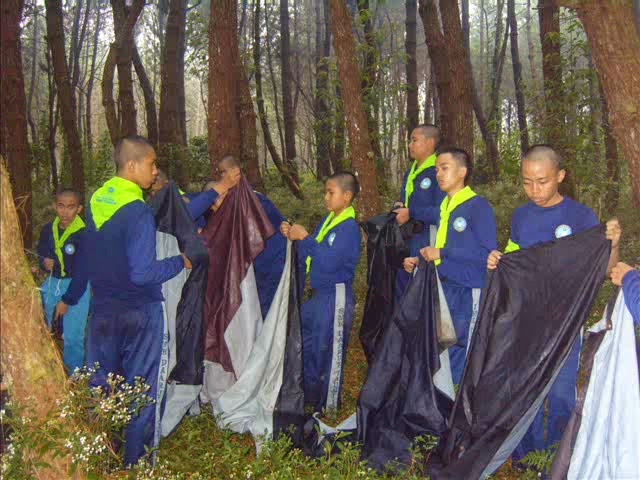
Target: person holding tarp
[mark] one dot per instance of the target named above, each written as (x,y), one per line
(533,308)
(628,278)
(125,333)
(466,235)
(420,197)
(547,217)
(330,257)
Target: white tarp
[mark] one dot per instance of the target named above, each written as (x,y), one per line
(249,403)
(608,442)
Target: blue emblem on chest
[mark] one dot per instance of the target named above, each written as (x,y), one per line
(459,224)
(425,183)
(69,249)
(331,238)
(563,231)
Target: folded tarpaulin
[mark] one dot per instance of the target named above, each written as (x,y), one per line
(387,247)
(234,237)
(402,397)
(268,397)
(535,304)
(183,305)
(602,440)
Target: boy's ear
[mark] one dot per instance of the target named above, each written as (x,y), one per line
(561,175)
(80,207)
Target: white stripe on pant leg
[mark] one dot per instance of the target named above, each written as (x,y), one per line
(333,393)
(163,371)
(475,306)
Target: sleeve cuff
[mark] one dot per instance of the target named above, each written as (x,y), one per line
(308,242)
(630,277)
(444,253)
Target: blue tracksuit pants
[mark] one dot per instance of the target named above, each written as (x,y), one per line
(74,322)
(462,309)
(130,344)
(326,325)
(561,402)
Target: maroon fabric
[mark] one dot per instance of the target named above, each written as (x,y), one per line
(234,237)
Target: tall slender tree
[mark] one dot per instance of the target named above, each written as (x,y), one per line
(517,75)
(124,62)
(66,96)
(453,77)
(14,141)
(172,151)
(287,96)
(411,11)
(359,141)
(321,109)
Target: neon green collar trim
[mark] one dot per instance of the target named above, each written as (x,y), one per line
(413,174)
(75,226)
(111,197)
(446,208)
(329,224)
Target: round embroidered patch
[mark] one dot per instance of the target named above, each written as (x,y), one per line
(331,238)
(69,249)
(460,224)
(563,231)
(425,183)
(111,189)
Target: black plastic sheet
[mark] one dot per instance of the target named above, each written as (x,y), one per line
(535,304)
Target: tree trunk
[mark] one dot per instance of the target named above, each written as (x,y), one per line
(368,89)
(124,30)
(411,9)
(487,136)
(517,75)
(615,45)
(29,360)
(249,146)
(32,84)
(612,197)
(149,98)
(359,141)
(337,150)
(14,139)
(287,100)
(266,132)
(124,60)
(172,149)
(53,121)
(555,129)
(453,78)
(66,96)
(224,125)
(274,85)
(538,99)
(322,114)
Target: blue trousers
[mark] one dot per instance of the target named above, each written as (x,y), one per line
(326,326)
(460,302)
(74,323)
(130,344)
(561,402)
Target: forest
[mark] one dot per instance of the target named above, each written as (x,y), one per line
(298,90)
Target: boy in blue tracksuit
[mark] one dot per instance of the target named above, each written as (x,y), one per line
(267,266)
(58,250)
(549,216)
(629,279)
(421,196)
(330,256)
(466,235)
(126,329)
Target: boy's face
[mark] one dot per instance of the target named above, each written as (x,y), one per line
(144,171)
(541,179)
(336,199)
(223,168)
(449,173)
(420,147)
(67,207)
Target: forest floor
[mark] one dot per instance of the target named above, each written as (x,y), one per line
(198,449)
